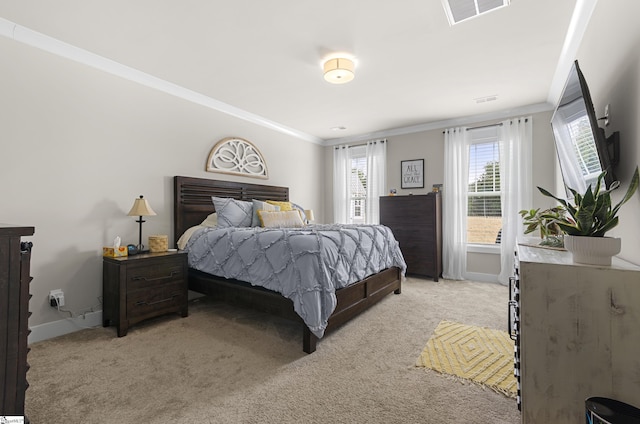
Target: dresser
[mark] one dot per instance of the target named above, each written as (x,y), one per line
(136,288)
(578,334)
(15,260)
(416,222)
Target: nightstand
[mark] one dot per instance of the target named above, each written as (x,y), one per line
(136,288)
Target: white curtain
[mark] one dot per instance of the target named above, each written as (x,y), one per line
(454,203)
(341,187)
(376,178)
(516,187)
(376,159)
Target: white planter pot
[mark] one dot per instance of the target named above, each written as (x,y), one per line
(592,250)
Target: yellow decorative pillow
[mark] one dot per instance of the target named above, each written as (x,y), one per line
(280,219)
(261,206)
(284,206)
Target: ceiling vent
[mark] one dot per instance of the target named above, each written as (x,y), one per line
(461,10)
(486,99)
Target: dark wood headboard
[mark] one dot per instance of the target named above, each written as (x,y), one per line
(192,198)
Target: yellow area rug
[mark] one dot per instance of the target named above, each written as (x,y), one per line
(479,354)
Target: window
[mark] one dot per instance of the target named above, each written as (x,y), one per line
(585,149)
(484,212)
(358,185)
(576,146)
(359,179)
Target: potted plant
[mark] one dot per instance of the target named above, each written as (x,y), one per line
(546,222)
(590,216)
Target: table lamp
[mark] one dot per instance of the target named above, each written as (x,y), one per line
(308,213)
(141,208)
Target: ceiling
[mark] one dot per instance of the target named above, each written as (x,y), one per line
(263,59)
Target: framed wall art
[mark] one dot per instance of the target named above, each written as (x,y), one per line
(235,155)
(412,173)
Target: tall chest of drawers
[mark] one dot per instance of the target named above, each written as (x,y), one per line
(416,222)
(15,262)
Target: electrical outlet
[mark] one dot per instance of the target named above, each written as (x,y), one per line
(56,298)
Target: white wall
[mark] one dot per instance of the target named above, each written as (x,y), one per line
(609,57)
(79,145)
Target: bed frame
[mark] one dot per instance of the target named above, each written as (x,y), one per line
(192,204)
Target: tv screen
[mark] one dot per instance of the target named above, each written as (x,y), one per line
(581,145)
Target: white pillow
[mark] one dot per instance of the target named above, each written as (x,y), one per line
(281,219)
(211,220)
(184,238)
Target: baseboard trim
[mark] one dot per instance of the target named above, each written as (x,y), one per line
(52,329)
(61,327)
(483,278)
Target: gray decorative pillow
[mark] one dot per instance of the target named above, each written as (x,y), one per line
(232,212)
(300,209)
(259,205)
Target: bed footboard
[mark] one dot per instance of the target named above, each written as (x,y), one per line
(356,298)
(352,300)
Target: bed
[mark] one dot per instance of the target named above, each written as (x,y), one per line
(192,204)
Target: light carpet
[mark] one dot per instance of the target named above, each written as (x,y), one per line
(226,365)
(479,354)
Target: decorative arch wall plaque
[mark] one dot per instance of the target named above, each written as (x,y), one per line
(233,155)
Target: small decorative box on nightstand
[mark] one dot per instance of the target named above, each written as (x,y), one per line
(143,286)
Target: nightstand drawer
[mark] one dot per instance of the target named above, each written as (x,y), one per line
(146,303)
(151,275)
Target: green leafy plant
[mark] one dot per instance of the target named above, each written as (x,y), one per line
(546,222)
(591,213)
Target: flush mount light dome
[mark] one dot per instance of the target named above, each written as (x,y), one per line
(338,70)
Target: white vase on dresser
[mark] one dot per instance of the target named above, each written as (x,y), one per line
(579,334)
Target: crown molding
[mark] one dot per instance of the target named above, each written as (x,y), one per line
(60,48)
(447,123)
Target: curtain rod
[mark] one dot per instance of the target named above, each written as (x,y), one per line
(358,145)
(498,124)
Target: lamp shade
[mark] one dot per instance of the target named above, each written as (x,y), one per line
(339,70)
(309,215)
(141,208)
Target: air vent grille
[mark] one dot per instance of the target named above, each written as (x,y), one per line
(460,10)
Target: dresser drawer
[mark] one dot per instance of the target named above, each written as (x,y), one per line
(146,302)
(154,273)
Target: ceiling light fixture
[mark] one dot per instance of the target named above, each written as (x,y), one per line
(339,70)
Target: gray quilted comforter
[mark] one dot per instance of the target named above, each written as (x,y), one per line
(305,265)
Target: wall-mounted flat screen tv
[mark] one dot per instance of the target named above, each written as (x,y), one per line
(583,150)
